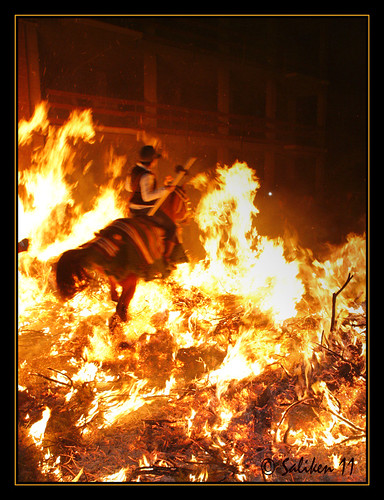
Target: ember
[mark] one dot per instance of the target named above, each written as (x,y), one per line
(246,366)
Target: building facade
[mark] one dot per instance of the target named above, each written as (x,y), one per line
(220,88)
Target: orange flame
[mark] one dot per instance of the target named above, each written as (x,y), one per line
(244,276)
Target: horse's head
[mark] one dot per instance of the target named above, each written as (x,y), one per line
(177,205)
(71,276)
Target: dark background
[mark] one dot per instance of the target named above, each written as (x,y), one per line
(343,208)
(346,69)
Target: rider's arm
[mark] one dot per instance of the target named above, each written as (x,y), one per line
(148,191)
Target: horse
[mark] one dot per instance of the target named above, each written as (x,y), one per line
(125,251)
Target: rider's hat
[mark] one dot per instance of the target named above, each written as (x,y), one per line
(148,154)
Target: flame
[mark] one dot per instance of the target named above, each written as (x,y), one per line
(38,123)
(205,342)
(118,477)
(239,260)
(37,430)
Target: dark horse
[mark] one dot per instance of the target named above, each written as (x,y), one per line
(126,250)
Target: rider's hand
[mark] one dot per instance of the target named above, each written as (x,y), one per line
(168,180)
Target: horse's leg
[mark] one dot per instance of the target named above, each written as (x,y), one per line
(112,285)
(129,287)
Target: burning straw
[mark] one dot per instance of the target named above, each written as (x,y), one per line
(234,369)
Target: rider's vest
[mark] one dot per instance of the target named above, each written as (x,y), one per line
(136,175)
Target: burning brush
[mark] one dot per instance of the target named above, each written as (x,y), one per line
(246,366)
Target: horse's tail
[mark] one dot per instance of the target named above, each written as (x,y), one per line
(71,276)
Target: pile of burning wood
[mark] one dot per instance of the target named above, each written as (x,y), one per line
(184,430)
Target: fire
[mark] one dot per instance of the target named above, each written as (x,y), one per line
(239,260)
(37,430)
(230,358)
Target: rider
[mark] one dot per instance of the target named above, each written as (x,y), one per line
(142,184)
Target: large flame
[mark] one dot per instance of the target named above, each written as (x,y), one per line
(238,260)
(249,310)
